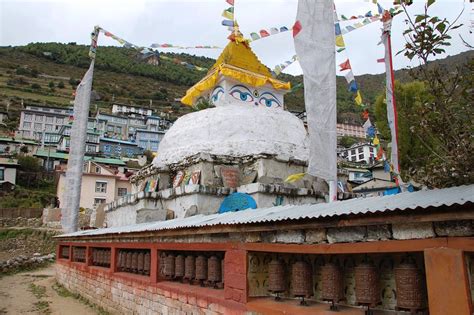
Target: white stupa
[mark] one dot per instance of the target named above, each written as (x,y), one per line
(228,157)
(248,118)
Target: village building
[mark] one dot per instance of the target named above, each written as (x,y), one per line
(8,168)
(130,110)
(350,130)
(100,185)
(234,155)
(360,153)
(149,139)
(9,146)
(3,117)
(36,119)
(379,184)
(118,148)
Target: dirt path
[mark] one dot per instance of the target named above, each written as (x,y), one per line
(33,293)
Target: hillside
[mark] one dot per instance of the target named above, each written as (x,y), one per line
(49,72)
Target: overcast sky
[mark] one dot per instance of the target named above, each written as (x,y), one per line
(198,22)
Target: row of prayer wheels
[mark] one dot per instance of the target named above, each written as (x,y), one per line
(411,293)
(79,254)
(134,261)
(101,257)
(192,268)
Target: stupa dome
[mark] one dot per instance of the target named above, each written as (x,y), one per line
(234,130)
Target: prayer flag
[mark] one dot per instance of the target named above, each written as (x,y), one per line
(228,14)
(228,23)
(349,76)
(340,41)
(346,65)
(264,33)
(340,49)
(283,29)
(358,98)
(294,177)
(344,18)
(353,87)
(380,9)
(231,2)
(254,36)
(296,28)
(273,30)
(376,141)
(367,125)
(338,28)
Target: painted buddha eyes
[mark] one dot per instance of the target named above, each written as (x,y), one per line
(269,100)
(242,93)
(216,94)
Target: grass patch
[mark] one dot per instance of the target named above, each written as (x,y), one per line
(42,307)
(39,291)
(14,233)
(63,292)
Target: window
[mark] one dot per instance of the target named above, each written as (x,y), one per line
(353,151)
(38,118)
(361,156)
(26,125)
(26,134)
(98,201)
(59,120)
(118,129)
(38,126)
(90,148)
(110,128)
(28,117)
(360,150)
(49,119)
(107,148)
(122,192)
(49,127)
(2,174)
(45,109)
(100,187)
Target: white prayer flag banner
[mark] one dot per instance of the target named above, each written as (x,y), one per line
(314,45)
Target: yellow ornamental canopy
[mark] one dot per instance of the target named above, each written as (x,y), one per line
(240,63)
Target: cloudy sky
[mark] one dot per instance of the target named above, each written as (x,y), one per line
(198,22)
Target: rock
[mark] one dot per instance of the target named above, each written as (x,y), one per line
(378,232)
(346,234)
(316,236)
(407,231)
(36,254)
(454,228)
(291,237)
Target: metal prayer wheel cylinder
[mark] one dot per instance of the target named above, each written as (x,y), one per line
(189,267)
(410,287)
(65,252)
(367,289)
(332,283)
(100,257)
(128,261)
(169,266)
(179,266)
(276,276)
(107,257)
(302,279)
(146,263)
(201,267)
(214,272)
(140,262)
(134,261)
(119,261)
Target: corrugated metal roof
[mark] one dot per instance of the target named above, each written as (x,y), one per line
(404,201)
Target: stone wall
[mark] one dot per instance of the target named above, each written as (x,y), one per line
(12,213)
(128,294)
(23,222)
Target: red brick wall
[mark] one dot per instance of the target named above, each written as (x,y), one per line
(127,293)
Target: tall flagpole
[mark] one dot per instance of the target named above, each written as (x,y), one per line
(392,116)
(70,210)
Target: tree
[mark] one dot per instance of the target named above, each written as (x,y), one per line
(441,113)
(347,141)
(29,163)
(51,84)
(61,84)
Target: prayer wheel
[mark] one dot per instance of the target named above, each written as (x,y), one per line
(134,261)
(119,261)
(65,252)
(302,280)
(332,283)
(169,266)
(189,268)
(128,261)
(410,287)
(201,268)
(107,257)
(100,257)
(140,262)
(214,272)
(367,284)
(179,267)
(276,276)
(146,263)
